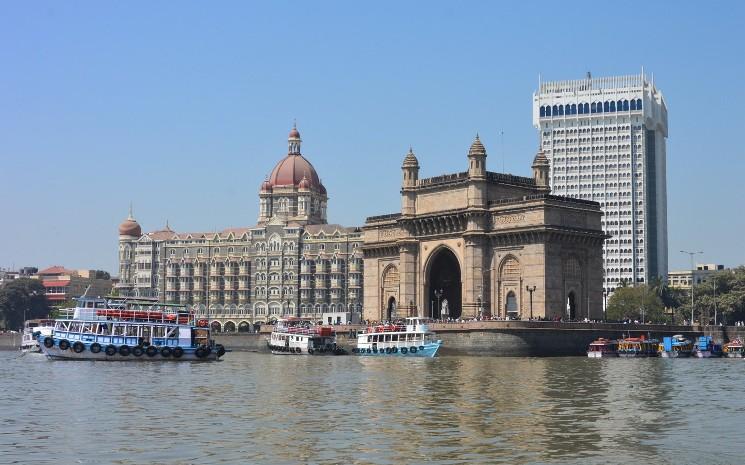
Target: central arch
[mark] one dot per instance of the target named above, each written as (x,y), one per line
(391,309)
(444,278)
(571,306)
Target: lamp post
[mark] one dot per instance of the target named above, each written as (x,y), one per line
(691,254)
(531,290)
(438,294)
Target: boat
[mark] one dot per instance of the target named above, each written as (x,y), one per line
(302,336)
(675,347)
(32,329)
(603,348)
(733,349)
(122,330)
(706,348)
(407,338)
(637,347)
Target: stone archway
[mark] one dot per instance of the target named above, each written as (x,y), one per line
(510,306)
(391,309)
(216,326)
(244,327)
(444,282)
(229,327)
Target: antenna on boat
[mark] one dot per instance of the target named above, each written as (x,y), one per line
(86,291)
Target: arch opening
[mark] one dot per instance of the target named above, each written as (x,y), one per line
(571,306)
(444,278)
(391,309)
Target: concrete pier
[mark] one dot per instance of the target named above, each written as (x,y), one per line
(492,338)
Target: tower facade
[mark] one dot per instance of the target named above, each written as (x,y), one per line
(605,140)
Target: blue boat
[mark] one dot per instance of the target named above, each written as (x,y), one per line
(409,338)
(675,347)
(107,330)
(706,348)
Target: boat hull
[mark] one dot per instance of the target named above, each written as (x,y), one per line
(707,354)
(675,354)
(189,354)
(733,354)
(598,354)
(427,350)
(636,355)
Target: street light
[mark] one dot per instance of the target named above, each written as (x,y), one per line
(691,254)
(438,294)
(531,290)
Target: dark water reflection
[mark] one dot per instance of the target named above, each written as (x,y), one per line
(255,408)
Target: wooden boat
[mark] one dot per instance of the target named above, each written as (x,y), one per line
(675,347)
(733,349)
(603,348)
(637,347)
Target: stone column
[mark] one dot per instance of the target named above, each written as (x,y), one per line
(472,274)
(409,252)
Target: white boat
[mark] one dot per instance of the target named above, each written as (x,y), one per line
(32,329)
(109,330)
(301,336)
(602,347)
(409,338)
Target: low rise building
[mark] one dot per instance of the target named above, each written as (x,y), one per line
(62,284)
(682,279)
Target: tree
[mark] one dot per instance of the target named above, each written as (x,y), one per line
(100,274)
(631,302)
(22,296)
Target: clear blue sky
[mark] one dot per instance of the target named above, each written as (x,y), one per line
(182,108)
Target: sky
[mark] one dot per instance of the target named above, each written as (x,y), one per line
(182,108)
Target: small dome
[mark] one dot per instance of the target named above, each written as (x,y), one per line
(130,227)
(294,133)
(540,159)
(477,148)
(304,183)
(266,186)
(410,161)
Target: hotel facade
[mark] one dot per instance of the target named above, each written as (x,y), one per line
(605,140)
(292,262)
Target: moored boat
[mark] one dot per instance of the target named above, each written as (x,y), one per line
(301,336)
(733,349)
(675,347)
(706,348)
(637,347)
(408,338)
(101,329)
(603,348)
(32,329)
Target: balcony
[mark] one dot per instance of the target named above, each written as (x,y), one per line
(337,268)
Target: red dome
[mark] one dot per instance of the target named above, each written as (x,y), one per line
(304,183)
(291,170)
(294,133)
(130,227)
(266,187)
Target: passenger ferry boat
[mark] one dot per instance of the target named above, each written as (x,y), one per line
(409,338)
(675,347)
(706,348)
(301,336)
(603,348)
(733,349)
(32,329)
(123,330)
(637,347)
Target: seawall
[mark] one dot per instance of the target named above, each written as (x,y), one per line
(492,338)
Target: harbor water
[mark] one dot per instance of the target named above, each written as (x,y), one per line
(264,409)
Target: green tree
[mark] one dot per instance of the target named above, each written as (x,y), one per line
(22,296)
(633,302)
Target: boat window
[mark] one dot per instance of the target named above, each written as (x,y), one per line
(159,331)
(131,330)
(87,327)
(394,337)
(75,327)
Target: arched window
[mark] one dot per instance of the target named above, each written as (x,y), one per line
(510,305)
(625,105)
(587,108)
(543,111)
(581,109)
(633,104)
(548,110)
(593,108)
(612,105)
(574,108)
(561,109)
(606,106)
(555,110)
(638,104)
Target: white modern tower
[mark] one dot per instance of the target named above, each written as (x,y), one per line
(605,141)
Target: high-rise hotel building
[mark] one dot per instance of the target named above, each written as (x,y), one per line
(292,262)
(605,141)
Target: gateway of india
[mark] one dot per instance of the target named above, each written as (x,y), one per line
(483,244)
(292,262)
